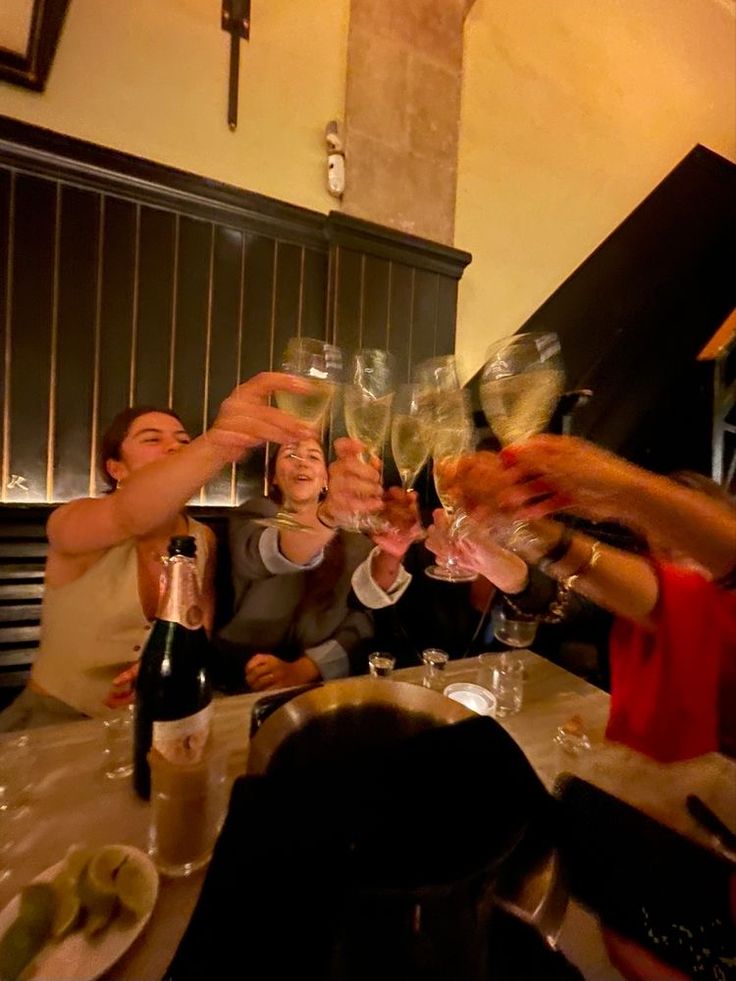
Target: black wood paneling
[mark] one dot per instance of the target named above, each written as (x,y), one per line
(400,327)
(78,269)
(187,381)
(223,333)
(154,305)
(117,310)
(6,258)
(31,336)
(133,283)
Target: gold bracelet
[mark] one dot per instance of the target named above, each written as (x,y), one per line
(596,550)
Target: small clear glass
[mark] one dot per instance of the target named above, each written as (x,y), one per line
(435,662)
(118,751)
(381,664)
(511,629)
(507,685)
(572,738)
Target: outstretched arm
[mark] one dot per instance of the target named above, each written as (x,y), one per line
(154,494)
(595,483)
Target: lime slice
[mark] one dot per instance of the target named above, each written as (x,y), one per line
(135,886)
(96,887)
(68,908)
(37,905)
(103,868)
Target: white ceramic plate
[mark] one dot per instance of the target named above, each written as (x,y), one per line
(76,958)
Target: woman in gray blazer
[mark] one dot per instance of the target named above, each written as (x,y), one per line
(292,623)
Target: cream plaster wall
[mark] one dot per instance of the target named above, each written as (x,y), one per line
(571,113)
(150,77)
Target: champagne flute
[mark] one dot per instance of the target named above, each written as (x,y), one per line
(411,429)
(321,364)
(368,397)
(521,384)
(454,437)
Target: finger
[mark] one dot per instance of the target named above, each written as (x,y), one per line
(540,509)
(263,384)
(346,447)
(250,415)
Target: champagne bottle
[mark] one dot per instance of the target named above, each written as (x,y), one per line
(173,691)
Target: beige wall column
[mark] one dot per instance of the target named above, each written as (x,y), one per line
(403,113)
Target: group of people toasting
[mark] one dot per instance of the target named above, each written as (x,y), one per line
(332,564)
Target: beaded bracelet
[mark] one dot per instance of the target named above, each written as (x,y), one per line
(557,609)
(558,551)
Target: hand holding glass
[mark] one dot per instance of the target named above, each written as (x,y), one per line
(368,397)
(454,436)
(321,364)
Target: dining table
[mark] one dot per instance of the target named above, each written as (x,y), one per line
(71,800)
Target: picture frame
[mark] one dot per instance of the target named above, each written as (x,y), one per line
(29,35)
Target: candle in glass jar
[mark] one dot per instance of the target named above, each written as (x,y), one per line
(474,697)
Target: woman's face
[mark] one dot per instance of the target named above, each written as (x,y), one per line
(151,436)
(300,473)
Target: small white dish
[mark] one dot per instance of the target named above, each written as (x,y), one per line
(477,699)
(76,957)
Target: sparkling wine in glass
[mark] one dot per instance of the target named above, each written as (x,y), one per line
(521,384)
(453,438)
(411,433)
(321,364)
(368,396)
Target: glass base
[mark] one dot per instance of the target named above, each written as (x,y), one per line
(181,870)
(444,574)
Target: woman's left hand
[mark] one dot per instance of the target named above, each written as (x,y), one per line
(264,671)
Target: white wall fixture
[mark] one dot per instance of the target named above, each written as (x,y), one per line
(335,159)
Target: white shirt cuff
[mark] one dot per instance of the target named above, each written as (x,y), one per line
(370,593)
(331,659)
(276,563)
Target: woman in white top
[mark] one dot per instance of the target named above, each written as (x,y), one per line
(104,559)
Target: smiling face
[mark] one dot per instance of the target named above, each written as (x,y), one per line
(151,436)
(300,473)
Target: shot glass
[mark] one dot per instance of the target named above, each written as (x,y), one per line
(118,750)
(188,808)
(435,662)
(381,664)
(512,630)
(507,685)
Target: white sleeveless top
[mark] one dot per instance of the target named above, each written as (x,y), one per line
(94,627)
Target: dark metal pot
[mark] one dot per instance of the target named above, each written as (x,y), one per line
(422,924)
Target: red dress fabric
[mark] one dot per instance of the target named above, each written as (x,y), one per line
(666,683)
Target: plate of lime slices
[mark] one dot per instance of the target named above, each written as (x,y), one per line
(78,916)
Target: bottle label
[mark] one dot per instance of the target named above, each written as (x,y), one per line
(179,600)
(183,740)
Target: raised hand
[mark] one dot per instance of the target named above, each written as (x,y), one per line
(547,473)
(354,486)
(246,419)
(400,512)
(476,550)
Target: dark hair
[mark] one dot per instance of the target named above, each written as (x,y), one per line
(274,491)
(112,438)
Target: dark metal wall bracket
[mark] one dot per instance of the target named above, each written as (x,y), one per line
(235,19)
